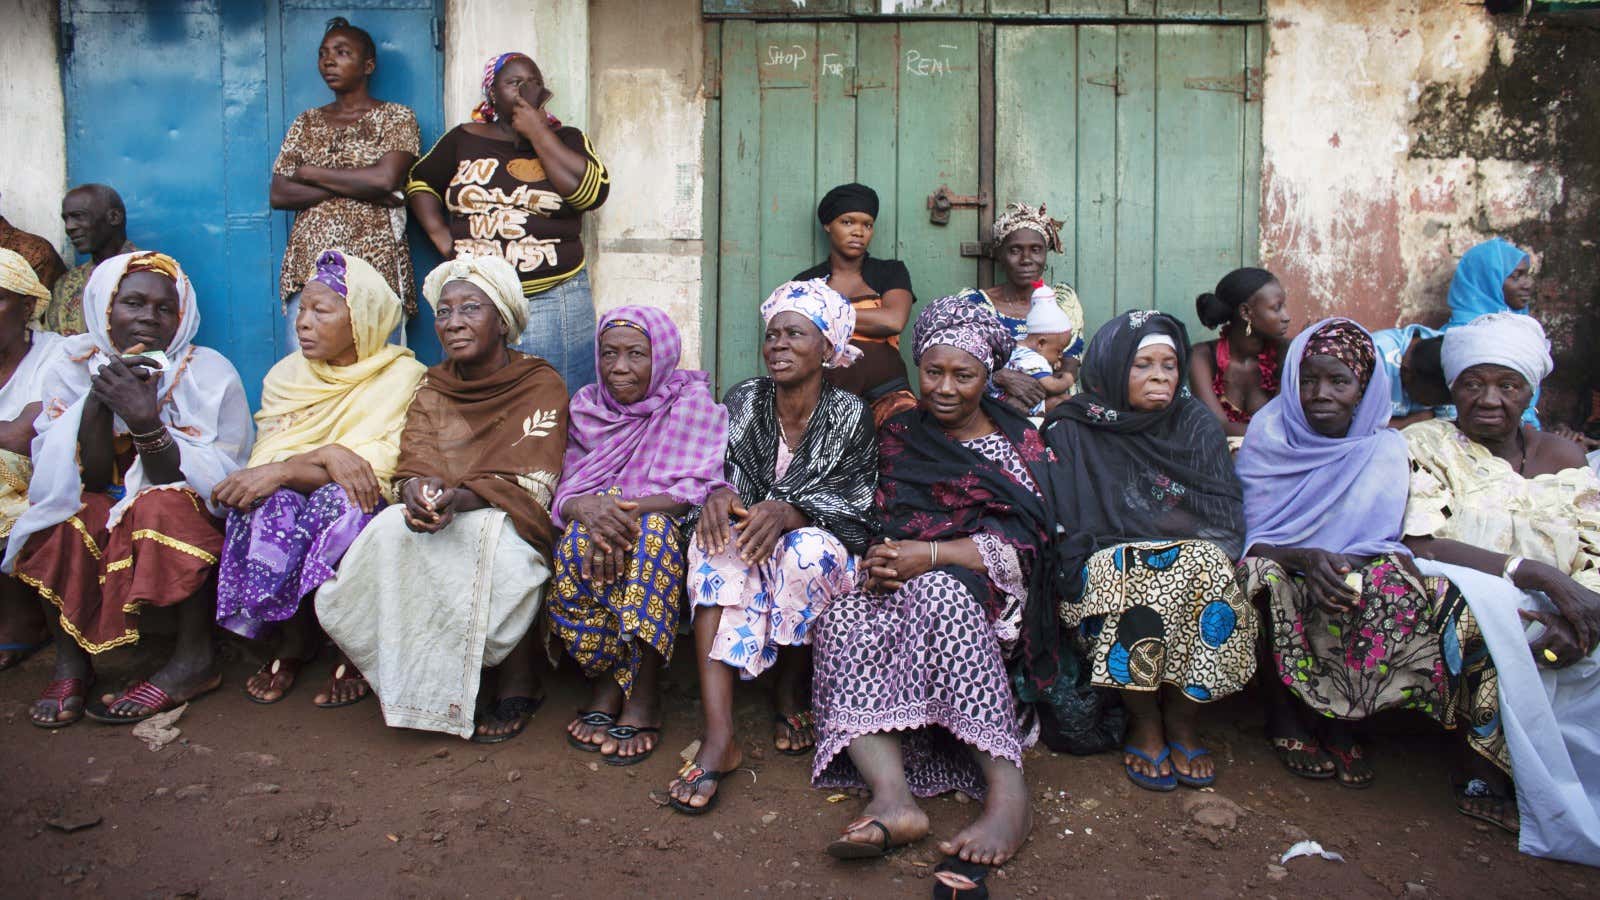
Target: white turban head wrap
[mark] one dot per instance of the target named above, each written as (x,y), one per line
(490,274)
(1502,339)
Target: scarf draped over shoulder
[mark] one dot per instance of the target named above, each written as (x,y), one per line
(835,468)
(501,436)
(202,405)
(308,404)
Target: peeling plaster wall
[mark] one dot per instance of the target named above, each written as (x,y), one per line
(33,142)
(1398,134)
(647,123)
(554,32)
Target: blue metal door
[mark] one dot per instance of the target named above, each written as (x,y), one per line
(181,106)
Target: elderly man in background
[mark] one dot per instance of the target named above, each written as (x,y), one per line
(97,224)
(40,255)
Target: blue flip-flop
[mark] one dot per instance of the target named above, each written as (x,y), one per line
(23,649)
(1190,780)
(1158,783)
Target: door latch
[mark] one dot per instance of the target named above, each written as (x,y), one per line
(940,203)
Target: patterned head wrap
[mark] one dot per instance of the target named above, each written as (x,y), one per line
(954,322)
(485,112)
(331,269)
(1502,339)
(825,307)
(151,261)
(1019,216)
(1347,342)
(19,278)
(492,275)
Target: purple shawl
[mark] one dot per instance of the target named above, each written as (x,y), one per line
(1343,495)
(671,442)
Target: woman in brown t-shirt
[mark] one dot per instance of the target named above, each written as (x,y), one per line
(341,169)
(515,182)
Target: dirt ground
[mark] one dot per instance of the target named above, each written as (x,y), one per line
(292,801)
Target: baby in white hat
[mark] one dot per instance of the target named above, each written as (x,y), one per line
(1039,354)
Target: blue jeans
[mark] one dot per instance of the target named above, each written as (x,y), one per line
(560,330)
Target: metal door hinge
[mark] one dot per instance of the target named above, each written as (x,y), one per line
(437,26)
(977,249)
(940,203)
(1247,83)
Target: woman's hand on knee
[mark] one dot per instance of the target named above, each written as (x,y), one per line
(712,531)
(423,499)
(247,489)
(1576,603)
(763,526)
(1327,577)
(352,473)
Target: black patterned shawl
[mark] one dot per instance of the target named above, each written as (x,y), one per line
(835,468)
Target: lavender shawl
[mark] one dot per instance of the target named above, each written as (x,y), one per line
(1343,495)
(671,442)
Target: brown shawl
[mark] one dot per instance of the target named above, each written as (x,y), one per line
(501,437)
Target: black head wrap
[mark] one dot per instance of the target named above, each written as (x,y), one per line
(847,198)
(1234,290)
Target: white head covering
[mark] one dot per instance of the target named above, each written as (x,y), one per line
(203,406)
(1045,315)
(1502,339)
(492,275)
(1153,340)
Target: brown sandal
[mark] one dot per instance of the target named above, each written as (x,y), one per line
(281,675)
(798,724)
(342,675)
(1285,746)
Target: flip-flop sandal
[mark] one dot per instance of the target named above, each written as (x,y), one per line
(23,650)
(692,777)
(1478,789)
(521,710)
(278,668)
(60,691)
(1344,760)
(1190,757)
(621,733)
(1158,783)
(341,672)
(148,696)
(844,848)
(798,723)
(957,879)
(1285,746)
(594,718)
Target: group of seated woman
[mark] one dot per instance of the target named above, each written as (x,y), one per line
(931,591)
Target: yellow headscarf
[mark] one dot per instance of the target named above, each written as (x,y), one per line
(308,404)
(18,277)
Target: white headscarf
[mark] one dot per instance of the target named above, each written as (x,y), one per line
(492,275)
(203,406)
(1502,339)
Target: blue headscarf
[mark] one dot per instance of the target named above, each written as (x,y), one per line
(1478,286)
(1301,489)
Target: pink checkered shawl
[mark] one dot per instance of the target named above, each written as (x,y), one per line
(672,442)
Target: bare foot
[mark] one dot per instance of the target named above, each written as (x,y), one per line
(716,755)
(996,834)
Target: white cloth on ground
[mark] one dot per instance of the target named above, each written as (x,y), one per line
(421,614)
(1551,719)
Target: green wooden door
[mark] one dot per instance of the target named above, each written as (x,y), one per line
(1143,137)
(1146,140)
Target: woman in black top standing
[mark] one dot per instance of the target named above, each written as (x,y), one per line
(880,291)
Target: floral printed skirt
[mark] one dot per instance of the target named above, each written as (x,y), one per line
(1165,612)
(1410,643)
(772,603)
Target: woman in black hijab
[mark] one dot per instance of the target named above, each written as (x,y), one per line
(1145,487)
(880,291)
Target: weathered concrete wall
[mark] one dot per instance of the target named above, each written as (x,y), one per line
(554,32)
(648,120)
(33,141)
(1398,133)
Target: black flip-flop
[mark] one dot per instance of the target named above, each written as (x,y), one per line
(508,709)
(621,733)
(594,718)
(844,848)
(957,879)
(692,777)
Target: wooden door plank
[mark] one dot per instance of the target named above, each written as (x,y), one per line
(1250,180)
(1242,7)
(1089,7)
(1036,125)
(1186,7)
(739,207)
(1199,166)
(710,220)
(1141,7)
(877,116)
(1018,7)
(1093,229)
(938,145)
(1136,167)
(836,119)
(788,56)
